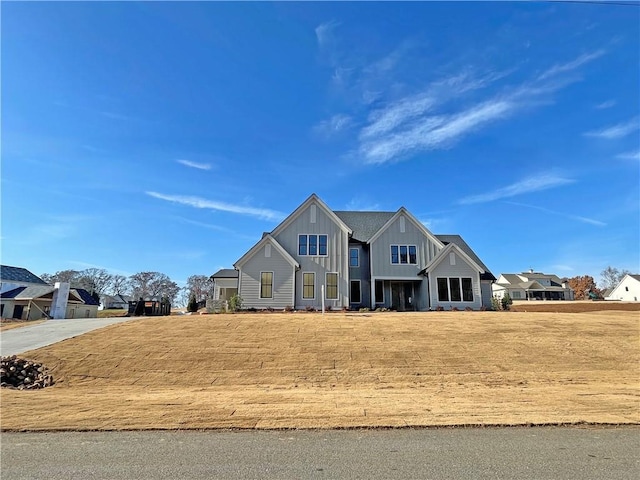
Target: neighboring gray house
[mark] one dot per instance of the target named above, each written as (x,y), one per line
(360,259)
(532,286)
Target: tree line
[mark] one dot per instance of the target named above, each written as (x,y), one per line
(147,285)
(585,287)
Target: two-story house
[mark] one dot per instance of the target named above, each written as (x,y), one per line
(360,259)
(532,286)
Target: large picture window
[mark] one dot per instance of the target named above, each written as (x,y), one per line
(331,292)
(308,285)
(404,255)
(356,294)
(443,290)
(266,284)
(455,289)
(313,245)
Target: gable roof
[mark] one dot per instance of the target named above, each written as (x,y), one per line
(86,297)
(19,274)
(225,273)
(33,292)
(458,240)
(443,254)
(313,198)
(263,241)
(364,224)
(414,220)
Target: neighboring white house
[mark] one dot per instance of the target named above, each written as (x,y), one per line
(532,286)
(117,302)
(352,259)
(628,290)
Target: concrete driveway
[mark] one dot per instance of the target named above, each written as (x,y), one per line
(18,340)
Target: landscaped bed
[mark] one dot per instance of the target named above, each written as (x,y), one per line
(306,370)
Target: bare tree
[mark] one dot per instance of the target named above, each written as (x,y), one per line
(153,285)
(67,276)
(119,285)
(95,280)
(200,286)
(611,277)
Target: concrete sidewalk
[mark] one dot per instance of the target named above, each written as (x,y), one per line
(18,340)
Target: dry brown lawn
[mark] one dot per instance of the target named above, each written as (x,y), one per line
(10,324)
(293,370)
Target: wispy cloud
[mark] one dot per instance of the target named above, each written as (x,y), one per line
(605,105)
(528,185)
(199,166)
(616,131)
(634,155)
(362,205)
(437,117)
(572,65)
(578,218)
(324,32)
(197,202)
(334,125)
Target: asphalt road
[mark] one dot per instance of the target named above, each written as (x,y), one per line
(510,453)
(18,340)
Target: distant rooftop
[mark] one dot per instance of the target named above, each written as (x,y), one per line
(18,274)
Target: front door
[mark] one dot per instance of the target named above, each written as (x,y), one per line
(17,311)
(402,298)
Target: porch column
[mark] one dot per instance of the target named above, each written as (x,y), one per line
(373,293)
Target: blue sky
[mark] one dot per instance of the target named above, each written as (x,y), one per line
(167,137)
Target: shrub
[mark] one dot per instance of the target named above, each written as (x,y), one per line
(192,306)
(365,309)
(309,308)
(506,302)
(439,308)
(468,309)
(495,303)
(288,308)
(235,303)
(455,309)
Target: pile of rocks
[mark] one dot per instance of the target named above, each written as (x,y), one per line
(23,374)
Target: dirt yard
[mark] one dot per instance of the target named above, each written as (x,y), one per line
(294,370)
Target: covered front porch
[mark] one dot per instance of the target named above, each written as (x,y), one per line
(402,295)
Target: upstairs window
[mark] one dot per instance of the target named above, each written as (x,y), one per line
(313,245)
(354,260)
(404,255)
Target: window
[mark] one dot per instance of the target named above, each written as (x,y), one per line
(443,290)
(354,260)
(266,284)
(379,293)
(308,285)
(404,254)
(455,289)
(322,240)
(467,290)
(302,244)
(515,294)
(626,289)
(312,245)
(356,295)
(331,292)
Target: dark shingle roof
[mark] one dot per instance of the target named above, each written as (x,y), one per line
(86,296)
(19,274)
(30,292)
(225,273)
(364,224)
(457,239)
